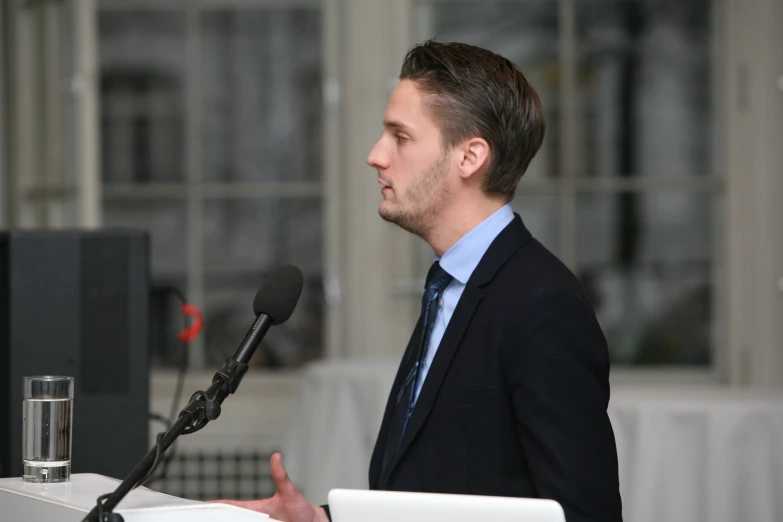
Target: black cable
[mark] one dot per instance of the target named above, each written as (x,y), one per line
(105,517)
(183,363)
(154,464)
(100,506)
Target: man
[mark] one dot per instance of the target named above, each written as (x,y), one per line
(503,388)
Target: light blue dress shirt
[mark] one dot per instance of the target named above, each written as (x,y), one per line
(460,261)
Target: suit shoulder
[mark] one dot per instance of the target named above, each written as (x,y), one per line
(532,282)
(536,288)
(533,267)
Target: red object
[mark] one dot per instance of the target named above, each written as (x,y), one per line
(190,333)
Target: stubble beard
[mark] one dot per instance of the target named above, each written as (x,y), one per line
(424,199)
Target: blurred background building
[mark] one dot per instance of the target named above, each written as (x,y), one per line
(235,132)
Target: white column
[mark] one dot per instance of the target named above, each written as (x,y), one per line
(85,87)
(25,139)
(373,40)
(51,145)
(333,179)
(754,134)
(39,139)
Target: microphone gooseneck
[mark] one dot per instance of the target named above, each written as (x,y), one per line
(274,303)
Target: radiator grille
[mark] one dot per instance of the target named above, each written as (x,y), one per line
(206,476)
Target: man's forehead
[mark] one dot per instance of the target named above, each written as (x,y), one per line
(405,107)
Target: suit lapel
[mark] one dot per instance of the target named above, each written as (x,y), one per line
(380,442)
(508,241)
(470,299)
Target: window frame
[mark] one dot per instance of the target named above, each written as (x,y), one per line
(195,192)
(569,186)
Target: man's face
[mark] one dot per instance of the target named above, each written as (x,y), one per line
(411,163)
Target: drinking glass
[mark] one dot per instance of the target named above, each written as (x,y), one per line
(47,421)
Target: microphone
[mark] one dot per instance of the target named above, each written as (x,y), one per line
(274,303)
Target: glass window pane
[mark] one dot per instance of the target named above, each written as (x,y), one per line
(524,32)
(142,68)
(647,261)
(261,84)
(165,222)
(645,85)
(244,240)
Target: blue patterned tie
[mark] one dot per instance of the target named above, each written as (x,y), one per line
(437,281)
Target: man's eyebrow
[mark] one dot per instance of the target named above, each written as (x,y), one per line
(393,124)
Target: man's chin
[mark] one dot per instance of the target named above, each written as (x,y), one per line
(401,220)
(391,214)
(386,215)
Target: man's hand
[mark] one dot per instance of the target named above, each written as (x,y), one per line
(287,505)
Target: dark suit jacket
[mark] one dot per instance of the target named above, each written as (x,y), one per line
(515,401)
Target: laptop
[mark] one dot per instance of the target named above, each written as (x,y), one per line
(352,505)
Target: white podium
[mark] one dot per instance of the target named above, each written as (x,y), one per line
(71,501)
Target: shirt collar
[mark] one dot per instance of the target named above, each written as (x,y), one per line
(463,257)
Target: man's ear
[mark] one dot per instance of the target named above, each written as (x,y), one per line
(474,157)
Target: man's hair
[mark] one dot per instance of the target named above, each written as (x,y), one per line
(477,93)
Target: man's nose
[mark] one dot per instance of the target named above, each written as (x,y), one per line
(378,159)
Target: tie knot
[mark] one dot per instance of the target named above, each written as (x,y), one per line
(437,278)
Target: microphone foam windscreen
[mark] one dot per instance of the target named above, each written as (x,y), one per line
(279,294)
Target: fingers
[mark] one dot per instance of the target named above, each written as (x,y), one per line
(286,498)
(280,476)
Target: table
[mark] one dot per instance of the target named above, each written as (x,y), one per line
(685,453)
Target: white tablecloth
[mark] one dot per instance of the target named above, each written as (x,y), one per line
(685,453)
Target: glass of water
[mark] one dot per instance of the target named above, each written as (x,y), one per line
(46,428)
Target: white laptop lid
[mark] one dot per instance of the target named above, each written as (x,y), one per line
(351,505)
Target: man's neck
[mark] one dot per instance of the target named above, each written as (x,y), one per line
(457,221)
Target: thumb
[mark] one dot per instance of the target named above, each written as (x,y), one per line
(280,476)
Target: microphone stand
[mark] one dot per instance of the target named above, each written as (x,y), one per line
(204,406)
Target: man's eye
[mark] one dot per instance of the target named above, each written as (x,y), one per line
(400,139)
